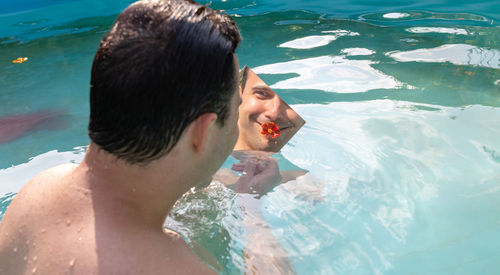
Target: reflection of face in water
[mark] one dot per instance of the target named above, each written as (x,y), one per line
(260,104)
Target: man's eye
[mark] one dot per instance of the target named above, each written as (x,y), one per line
(262,94)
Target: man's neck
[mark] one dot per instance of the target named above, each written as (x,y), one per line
(132,192)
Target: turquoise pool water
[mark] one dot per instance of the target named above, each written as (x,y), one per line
(402,103)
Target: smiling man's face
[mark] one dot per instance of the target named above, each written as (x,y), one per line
(261,104)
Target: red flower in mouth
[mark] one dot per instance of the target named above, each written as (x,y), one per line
(270,129)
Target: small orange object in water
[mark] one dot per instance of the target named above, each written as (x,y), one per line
(20,60)
(469,73)
(270,129)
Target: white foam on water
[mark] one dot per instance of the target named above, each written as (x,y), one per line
(315,41)
(437,30)
(331,74)
(396,15)
(357,51)
(497,82)
(458,54)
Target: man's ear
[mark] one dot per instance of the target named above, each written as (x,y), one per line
(202,131)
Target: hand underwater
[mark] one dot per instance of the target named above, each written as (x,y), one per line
(259,176)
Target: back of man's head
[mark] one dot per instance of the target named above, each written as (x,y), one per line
(162,65)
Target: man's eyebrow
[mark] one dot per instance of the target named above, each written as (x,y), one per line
(262,87)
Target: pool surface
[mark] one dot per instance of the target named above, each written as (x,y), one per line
(402,103)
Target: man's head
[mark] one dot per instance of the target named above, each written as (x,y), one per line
(163,64)
(261,104)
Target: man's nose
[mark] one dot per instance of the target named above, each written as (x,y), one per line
(274,110)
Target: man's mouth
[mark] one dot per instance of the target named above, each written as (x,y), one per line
(281,126)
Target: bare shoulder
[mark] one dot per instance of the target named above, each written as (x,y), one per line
(27,204)
(54,173)
(20,219)
(47,177)
(38,189)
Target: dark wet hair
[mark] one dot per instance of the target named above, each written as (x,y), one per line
(243,77)
(162,65)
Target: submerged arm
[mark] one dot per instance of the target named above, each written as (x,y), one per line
(263,253)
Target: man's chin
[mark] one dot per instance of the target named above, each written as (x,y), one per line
(271,145)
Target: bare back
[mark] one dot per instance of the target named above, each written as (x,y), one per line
(54,226)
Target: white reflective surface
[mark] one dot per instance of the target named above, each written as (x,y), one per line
(396,15)
(458,54)
(330,73)
(315,41)
(437,30)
